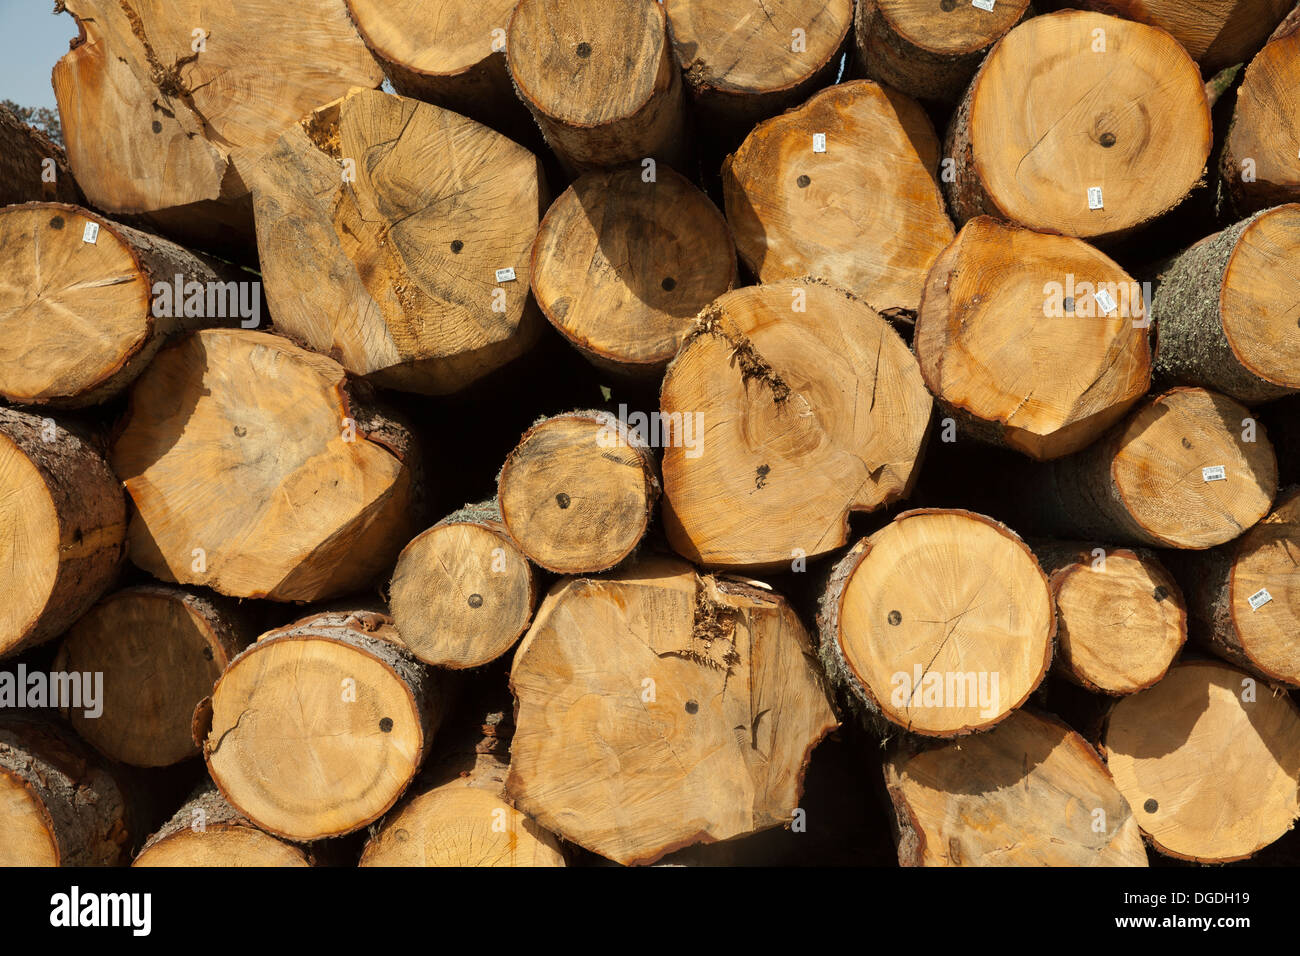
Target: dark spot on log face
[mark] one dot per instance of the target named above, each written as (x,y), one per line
(56,222)
(760,476)
(1160,593)
(386,725)
(1107,140)
(1186,443)
(584,49)
(895,618)
(156,126)
(207,653)
(802,182)
(692,707)
(669,284)
(457,245)
(1068,305)
(947,6)
(241,431)
(476,600)
(562,500)
(401,835)
(1150,806)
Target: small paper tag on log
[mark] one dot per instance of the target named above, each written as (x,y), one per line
(506,275)
(986,5)
(1259,599)
(1105,301)
(819,142)
(91,233)
(1214,473)
(1094,197)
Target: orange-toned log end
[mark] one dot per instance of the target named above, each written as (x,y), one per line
(208,832)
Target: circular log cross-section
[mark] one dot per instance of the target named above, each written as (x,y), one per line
(578,492)
(801,406)
(1081,124)
(600,78)
(622,266)
(865,214)
(1226,310)
(1027,793)
(941,622)
(208,831)
(1079,362)
(412,273)
(1209,762)
(314,493)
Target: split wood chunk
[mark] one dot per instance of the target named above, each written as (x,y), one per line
(1121,618)
(1030,792)
(578,492)
(315,488)
(621,266)
(791,405)
(83,306)
(865,213)
(59,806)
(1209,762)
(62,528)
(1033,341)
(160,650)
(1228,310)
(1260,163)
(32,166)
(600,79)
(692,718)
(926,49)
(318,727)
(208,831)
(463,593)
(385,227)
(746,60)
(166,104)
(941,622)
(1188,468)
(1066,129)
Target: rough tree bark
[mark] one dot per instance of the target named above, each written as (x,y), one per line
(32,166)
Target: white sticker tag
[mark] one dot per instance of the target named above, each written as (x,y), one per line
(91,233)
(1259,599)
(1214,473)
(1105,301)
(506,275)
(819,142)
(1094,198)
(986,5)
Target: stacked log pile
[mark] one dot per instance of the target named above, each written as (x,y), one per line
(880,424)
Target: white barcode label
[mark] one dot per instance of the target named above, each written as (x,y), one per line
(819,142)
(506,275)
(1214,473)
(1259,599)
(91,233)
(1094,197)
(986,5)
(1105,301)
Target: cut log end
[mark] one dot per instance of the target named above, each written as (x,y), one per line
(208,832)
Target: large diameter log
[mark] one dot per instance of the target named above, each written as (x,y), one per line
(1209,762)
(208,831)
(622,266)
(410,272)
(1080,361)
(1121,617)
(1188,468)
(1030,148)
(746,60)
(318,727)
(463,592)
(62,528)
(941,623)
(929,50)
(166,105)
(32,166)
(160,650)
(865,213)
(691,719)
(1030,792)
(87,302)
(258,470)
(791,405)
(1225,310)
(59,805)
(600,78)
(578,492)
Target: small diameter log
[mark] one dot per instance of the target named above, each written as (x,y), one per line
(1188,468)
(600,79)
(1029,148)
(622,266)
(59,805)
(463,593)
(413,274)
(929,50)
(865,213)
(578,491)
(160,650)
(941,623)
(32,166)
(1078,357)
(208,831)
(318,727)
(1030,792)
(62,528)
(746,60)
(1260,163)
(692,718)
(314,488)
(1226,310)
(87,302)
(1120,616)
(1209,762)
(790,406)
